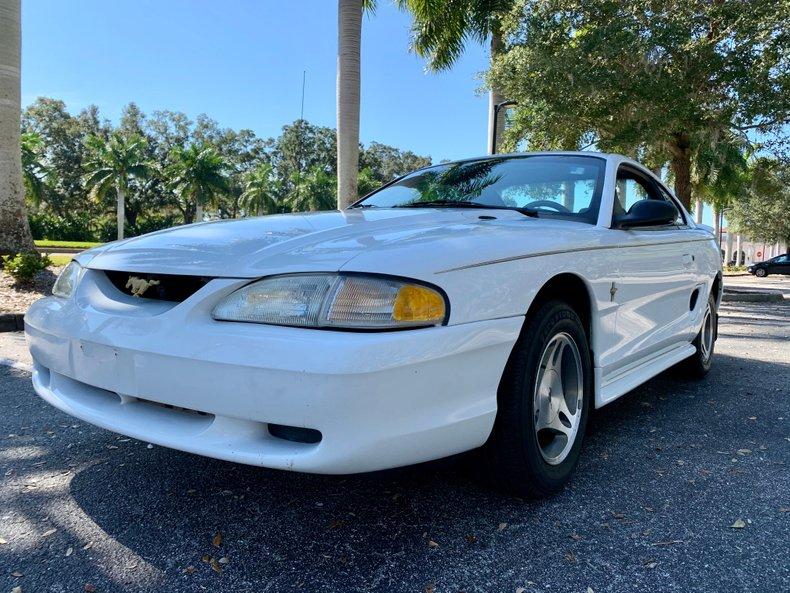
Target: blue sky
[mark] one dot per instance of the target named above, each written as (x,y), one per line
(241,63)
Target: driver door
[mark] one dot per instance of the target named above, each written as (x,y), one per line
(656,276)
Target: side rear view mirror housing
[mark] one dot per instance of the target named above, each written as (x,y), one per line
(648,213)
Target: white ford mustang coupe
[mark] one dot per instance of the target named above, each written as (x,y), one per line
(489,302)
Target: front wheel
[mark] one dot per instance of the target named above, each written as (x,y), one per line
(760,273)
(544,401)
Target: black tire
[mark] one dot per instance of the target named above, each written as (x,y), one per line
(698,365)
(515,459)
(760,272)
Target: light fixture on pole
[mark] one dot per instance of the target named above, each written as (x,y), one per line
(497,108)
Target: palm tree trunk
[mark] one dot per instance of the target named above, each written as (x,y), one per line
(349,34)
(738,258)
(680,164)
(495,97)
(14,228)
(198,212)
(698,206)
(120,215)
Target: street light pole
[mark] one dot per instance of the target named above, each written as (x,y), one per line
(497,108)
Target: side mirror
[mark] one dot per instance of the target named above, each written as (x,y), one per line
(648,213)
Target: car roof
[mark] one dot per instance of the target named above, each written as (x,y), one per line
(607,156)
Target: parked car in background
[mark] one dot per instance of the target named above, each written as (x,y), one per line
(776,265)
(489,302)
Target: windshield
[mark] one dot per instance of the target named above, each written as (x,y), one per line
(562,186)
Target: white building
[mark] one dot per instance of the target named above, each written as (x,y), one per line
(751,251)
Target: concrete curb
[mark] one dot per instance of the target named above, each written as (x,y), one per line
(752,297)
(69,250)
(12,322)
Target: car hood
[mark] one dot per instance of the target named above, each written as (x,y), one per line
(393,241)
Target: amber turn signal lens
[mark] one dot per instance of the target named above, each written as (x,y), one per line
(418,303)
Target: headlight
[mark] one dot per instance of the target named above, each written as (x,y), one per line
(67,281)
(335,301)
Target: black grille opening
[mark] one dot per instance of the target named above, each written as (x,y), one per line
(162,287)
(295,434)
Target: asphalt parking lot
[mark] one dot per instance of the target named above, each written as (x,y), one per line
(682,487)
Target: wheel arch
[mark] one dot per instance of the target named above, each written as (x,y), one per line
(571,289)
(717,288)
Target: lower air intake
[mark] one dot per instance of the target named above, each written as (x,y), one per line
(295,434)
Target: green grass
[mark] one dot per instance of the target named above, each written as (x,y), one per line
(66,244)
(60,259)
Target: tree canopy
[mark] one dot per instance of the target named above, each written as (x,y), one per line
(656,79)
(762,211)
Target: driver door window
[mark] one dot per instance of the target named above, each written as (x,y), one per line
(632,187)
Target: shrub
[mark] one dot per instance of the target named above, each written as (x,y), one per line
(76,227)
(108,229)
(24,266)
(155,222)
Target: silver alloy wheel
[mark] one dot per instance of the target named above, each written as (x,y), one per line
(558,397)
(706,334)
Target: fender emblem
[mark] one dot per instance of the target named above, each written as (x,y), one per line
(138,286)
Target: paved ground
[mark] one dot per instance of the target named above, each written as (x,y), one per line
(666,472)
(749,283)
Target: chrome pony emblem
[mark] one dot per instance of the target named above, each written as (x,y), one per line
(138,286)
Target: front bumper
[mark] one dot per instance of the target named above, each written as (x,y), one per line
(379,400)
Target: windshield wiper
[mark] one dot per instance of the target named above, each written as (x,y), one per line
(460,204)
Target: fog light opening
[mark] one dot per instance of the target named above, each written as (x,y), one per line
(295,434)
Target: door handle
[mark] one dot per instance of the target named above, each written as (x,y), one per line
(688,259)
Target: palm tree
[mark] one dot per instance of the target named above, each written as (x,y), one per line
(14,228)
(112,165)
(313,191)
(33,169)
(197,177)
(441,29)
(259,190)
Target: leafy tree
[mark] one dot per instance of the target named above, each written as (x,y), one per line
(197,177)
(367,182)
(645,76)
(387,162)
(132,121)
(64,150)
(14,228)
(259,191)
(112,165)
(761,212)
(442,28)
(33,169)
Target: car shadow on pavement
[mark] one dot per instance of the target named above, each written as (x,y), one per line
(641,451)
